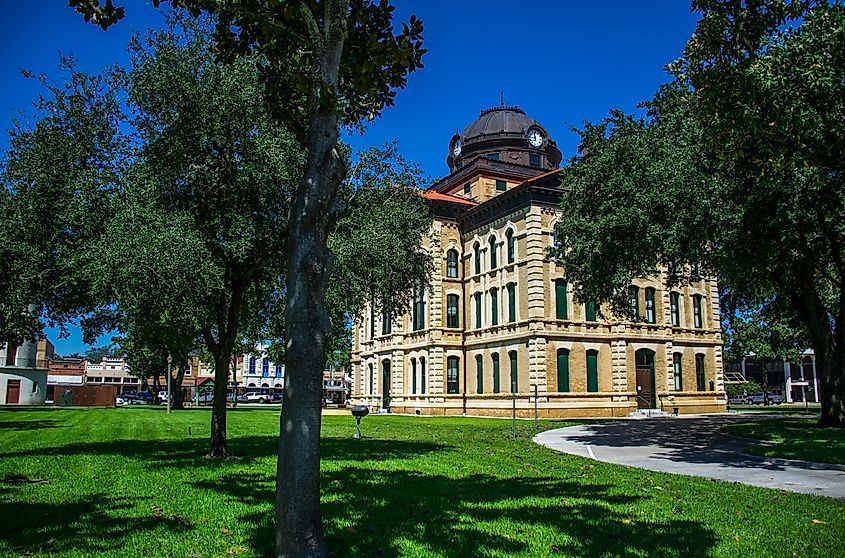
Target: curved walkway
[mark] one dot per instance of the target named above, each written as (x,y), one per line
(694,446)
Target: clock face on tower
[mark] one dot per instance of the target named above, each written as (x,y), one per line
(535,138)
(456,149)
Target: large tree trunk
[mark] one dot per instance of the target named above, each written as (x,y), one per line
(219,447)
(299,530)
(830,367)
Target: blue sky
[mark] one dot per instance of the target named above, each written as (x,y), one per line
(562,61)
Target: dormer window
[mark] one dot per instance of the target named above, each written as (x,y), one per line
(501,185)
(534,160)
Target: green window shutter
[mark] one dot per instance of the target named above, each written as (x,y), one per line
(561,307)
(563,370)
(700,376)
(496,377)
(413,375)
(592,371)
(422,375)
(494,309)
(514,372)
(479,374)
(590,311)
(511,302)
(501,185)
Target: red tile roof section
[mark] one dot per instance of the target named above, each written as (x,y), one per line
(432,195)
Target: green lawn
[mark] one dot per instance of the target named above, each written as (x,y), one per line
(132,482)
(796,438)
(782,409)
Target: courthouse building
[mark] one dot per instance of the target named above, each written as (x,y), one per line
(498,317)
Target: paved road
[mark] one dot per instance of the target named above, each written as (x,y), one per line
(693,446)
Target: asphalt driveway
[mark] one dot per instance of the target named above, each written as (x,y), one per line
(693,446)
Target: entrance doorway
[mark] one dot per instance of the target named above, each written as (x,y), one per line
(385,384)
(646,390)
(13,392)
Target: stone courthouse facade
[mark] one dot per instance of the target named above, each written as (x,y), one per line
(499,318)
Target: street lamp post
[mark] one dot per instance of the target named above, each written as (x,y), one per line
(169,395)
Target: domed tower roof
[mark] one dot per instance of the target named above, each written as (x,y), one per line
(498,120)
(504,133)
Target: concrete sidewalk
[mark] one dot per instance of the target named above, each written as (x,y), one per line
(694,446)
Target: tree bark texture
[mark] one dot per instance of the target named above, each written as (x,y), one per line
(299,530)
(219,445)
(177,399)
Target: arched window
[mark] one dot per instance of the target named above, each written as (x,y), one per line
(700,376)
(479,374)
(496,375)
(634,303)
(476,253)
(511,302)
(650,313)
(386,319)
(413,375)
(561,302)
(592,370)
(479,310)
(563,370)
(452,375)
(696,311)
(511,246)
(452,317)
(418,311)
(385,383)
(494,306)
(493,257)
(370,391)
(514,372)
(423,376)
(372,321)
(452,263)
(675,308)
(677,369)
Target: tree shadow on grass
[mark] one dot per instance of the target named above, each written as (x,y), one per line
(391,513)
(22,425)
(90,525)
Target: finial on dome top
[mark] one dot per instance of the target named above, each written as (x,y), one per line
(501,98)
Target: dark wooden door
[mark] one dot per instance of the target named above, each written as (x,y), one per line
(385,384)
(644,388)
(13,392)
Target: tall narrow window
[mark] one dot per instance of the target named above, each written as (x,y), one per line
(592,370)
(479,374)
(494,306)
(511,302)
(650,314)
(675,307)
(677,369)
(265,367)
(452,318)
(700,377)
(501,185)
(496,376)
(694,271)
(561,303)
(422,375)
(372,321)
(252,365)
(514,372)
(413,375)
(452,375)
(534,160)
(476,256)
(696,311)
(418,313)
(452,263)
(386,322)
(509,241)
(370,391)
(494,260)
(590,311)
(278,370)
(479,311)
(634,303)
(563,370)
(467,189)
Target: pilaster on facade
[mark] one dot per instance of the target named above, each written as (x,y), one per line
(537,368)
(670,367)
(619,364)
(397,371)
(437,373)
(535,253)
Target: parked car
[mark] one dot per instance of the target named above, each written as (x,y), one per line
(255,397)
(738,400)
(757,398)
(120,400)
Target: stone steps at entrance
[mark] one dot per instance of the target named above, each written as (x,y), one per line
(649,413)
